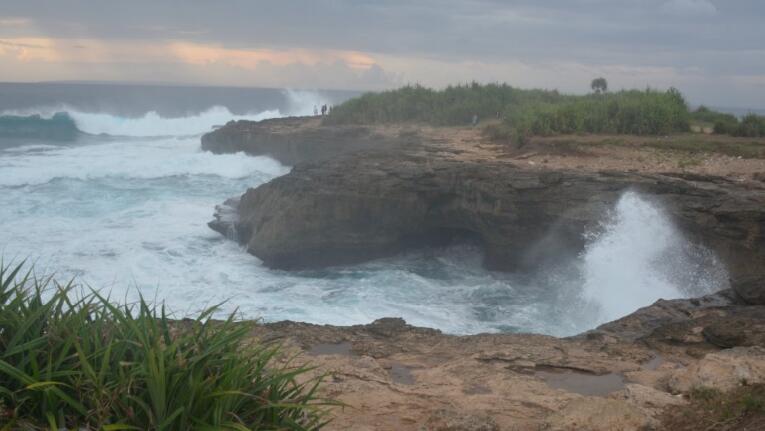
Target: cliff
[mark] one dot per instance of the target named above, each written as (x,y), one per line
(356,202)
(356,193)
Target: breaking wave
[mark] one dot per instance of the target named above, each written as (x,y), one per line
(150,124)
(639,256)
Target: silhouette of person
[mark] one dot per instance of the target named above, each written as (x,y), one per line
(323,109)
(315,110)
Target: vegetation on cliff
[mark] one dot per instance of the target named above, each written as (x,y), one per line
(541,112)
(709,409)
(84,363)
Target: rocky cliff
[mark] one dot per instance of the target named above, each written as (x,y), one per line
(345,202)
(294,140)
(627,375)
(356,205)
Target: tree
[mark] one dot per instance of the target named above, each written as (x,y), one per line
(599,85)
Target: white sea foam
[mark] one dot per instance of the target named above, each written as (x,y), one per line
(640,257)
(303,102)
(154,158)
(149,124)
(128,215)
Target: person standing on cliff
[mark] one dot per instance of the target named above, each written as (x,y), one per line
(323,109)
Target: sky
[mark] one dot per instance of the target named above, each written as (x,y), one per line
(712,50)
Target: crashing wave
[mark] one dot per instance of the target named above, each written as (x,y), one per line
(50,123)
(59,127)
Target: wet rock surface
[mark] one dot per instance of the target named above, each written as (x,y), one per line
(293,140)
(370,203)
(356,194)
(621,376)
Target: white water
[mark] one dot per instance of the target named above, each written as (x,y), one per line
(639,256)
(128,216)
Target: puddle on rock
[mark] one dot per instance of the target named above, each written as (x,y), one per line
(342,349)
(583,383)
(400,374)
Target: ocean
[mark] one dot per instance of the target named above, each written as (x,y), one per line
(123,210)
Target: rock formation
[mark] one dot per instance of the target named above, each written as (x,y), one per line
(353,206)
(349,199)
(621,376)
(293,140)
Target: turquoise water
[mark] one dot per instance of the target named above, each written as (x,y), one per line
(127,215)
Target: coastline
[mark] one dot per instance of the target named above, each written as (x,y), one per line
(625,374)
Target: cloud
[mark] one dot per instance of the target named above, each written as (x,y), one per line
(382,42)
(689,8)
(37,59)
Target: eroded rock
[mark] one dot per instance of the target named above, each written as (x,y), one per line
(450,420)
(599,414)
(724,370)
(378,203)
(751,289)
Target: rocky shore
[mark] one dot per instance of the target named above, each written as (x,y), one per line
(625,375)
(358,192)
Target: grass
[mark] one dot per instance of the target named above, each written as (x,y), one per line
(709,409)
(84,362)
(691,146)
(525,113)
(751,126)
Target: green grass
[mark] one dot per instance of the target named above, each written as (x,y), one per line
(751,126)
(70,361)
(541,112)
(626,112)
(740,409)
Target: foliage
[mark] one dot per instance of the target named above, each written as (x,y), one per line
(740,409)
(452,106)
(626,112)
(83,362)
(599,85)
(531,112)
(751,126)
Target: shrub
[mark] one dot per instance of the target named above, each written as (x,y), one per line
(535,112)
(751,126)
(453,106)
(627,112)
(87,363)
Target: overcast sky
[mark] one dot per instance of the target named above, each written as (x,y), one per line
(713,50)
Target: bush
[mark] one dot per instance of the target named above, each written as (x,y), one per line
(751,126)
(536,112)
(627,112)
(87,363)
(452,106)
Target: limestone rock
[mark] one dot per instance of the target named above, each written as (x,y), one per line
(292,140)
(724,370)
(750,289)
(599,414)
(449,420)
(650,400)
(356,194)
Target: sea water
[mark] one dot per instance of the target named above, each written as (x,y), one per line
(124,210)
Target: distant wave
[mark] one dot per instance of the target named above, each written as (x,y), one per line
(149,125)
(57,127)
(152,124)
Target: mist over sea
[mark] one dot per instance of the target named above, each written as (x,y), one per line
(125,210)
